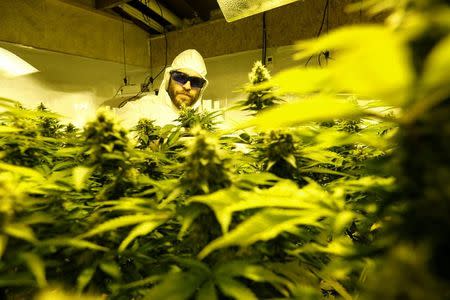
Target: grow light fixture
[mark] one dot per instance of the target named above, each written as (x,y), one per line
(12,66)
(237,9)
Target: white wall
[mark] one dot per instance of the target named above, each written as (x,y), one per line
(75,86)
(69,85)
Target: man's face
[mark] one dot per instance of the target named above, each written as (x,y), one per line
(183,95)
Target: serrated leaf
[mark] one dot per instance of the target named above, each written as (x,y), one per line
(437,66)
(171,197)
(122,222)
(79,176)
(113,156)
(85,277)
(263,226)
(8,129)
(139,230)
(256,179)
(176,286)
(435,83)
(252,272)
(36,266)
(17,279)
(68,152)
(341,247)
(111,268)
(316,108)
(290,159)
(207,292)
(338,288)
(23,171)
(322,156)
(188,216)
(63,165)
(74,242)
(322,171)
(342,221)
(3,244)
(296,272)
(363,183)
(247,270)
(194,265)
(286,81)
(57,294)
(20,231)
(283,194)
(143,282)
(38,218)
(235,289)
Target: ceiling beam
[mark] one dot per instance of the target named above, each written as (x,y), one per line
(154,7)
(104,4)
(151,26)
(180,8)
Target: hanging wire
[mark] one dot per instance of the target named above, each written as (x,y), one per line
(324,16)
(125,80)
(326,53)
(149,79)
(264,39)
(165,38)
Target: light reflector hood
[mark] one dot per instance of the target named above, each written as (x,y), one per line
(237,9)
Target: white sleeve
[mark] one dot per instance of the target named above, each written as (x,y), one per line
(130,114)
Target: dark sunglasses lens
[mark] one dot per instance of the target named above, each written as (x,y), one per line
(180,77)
(196,82)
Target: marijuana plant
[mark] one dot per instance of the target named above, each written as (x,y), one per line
(259,98)
(191,117)
(332,198)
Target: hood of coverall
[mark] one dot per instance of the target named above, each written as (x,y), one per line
(188,59)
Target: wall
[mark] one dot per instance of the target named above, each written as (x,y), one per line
(285,25)
(71,85)
(230,49)
(74,29)
(81,64)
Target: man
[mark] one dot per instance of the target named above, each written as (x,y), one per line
(183,85)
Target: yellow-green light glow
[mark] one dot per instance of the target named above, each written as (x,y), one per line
(12,66)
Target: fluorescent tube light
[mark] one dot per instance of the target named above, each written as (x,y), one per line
(12,66)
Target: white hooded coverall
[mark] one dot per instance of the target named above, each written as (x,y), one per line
(160,107)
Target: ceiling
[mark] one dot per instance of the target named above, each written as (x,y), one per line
(159,16)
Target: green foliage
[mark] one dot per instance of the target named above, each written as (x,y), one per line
(332,197)
(205,168)
(146,133)
(259,98)
(191,117)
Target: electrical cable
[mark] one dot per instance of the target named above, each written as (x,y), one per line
(166,46)
(125,80)
(264,39)
(325,53)
(149,79)
(324,15)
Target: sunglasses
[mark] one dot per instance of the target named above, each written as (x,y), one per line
(182,78)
